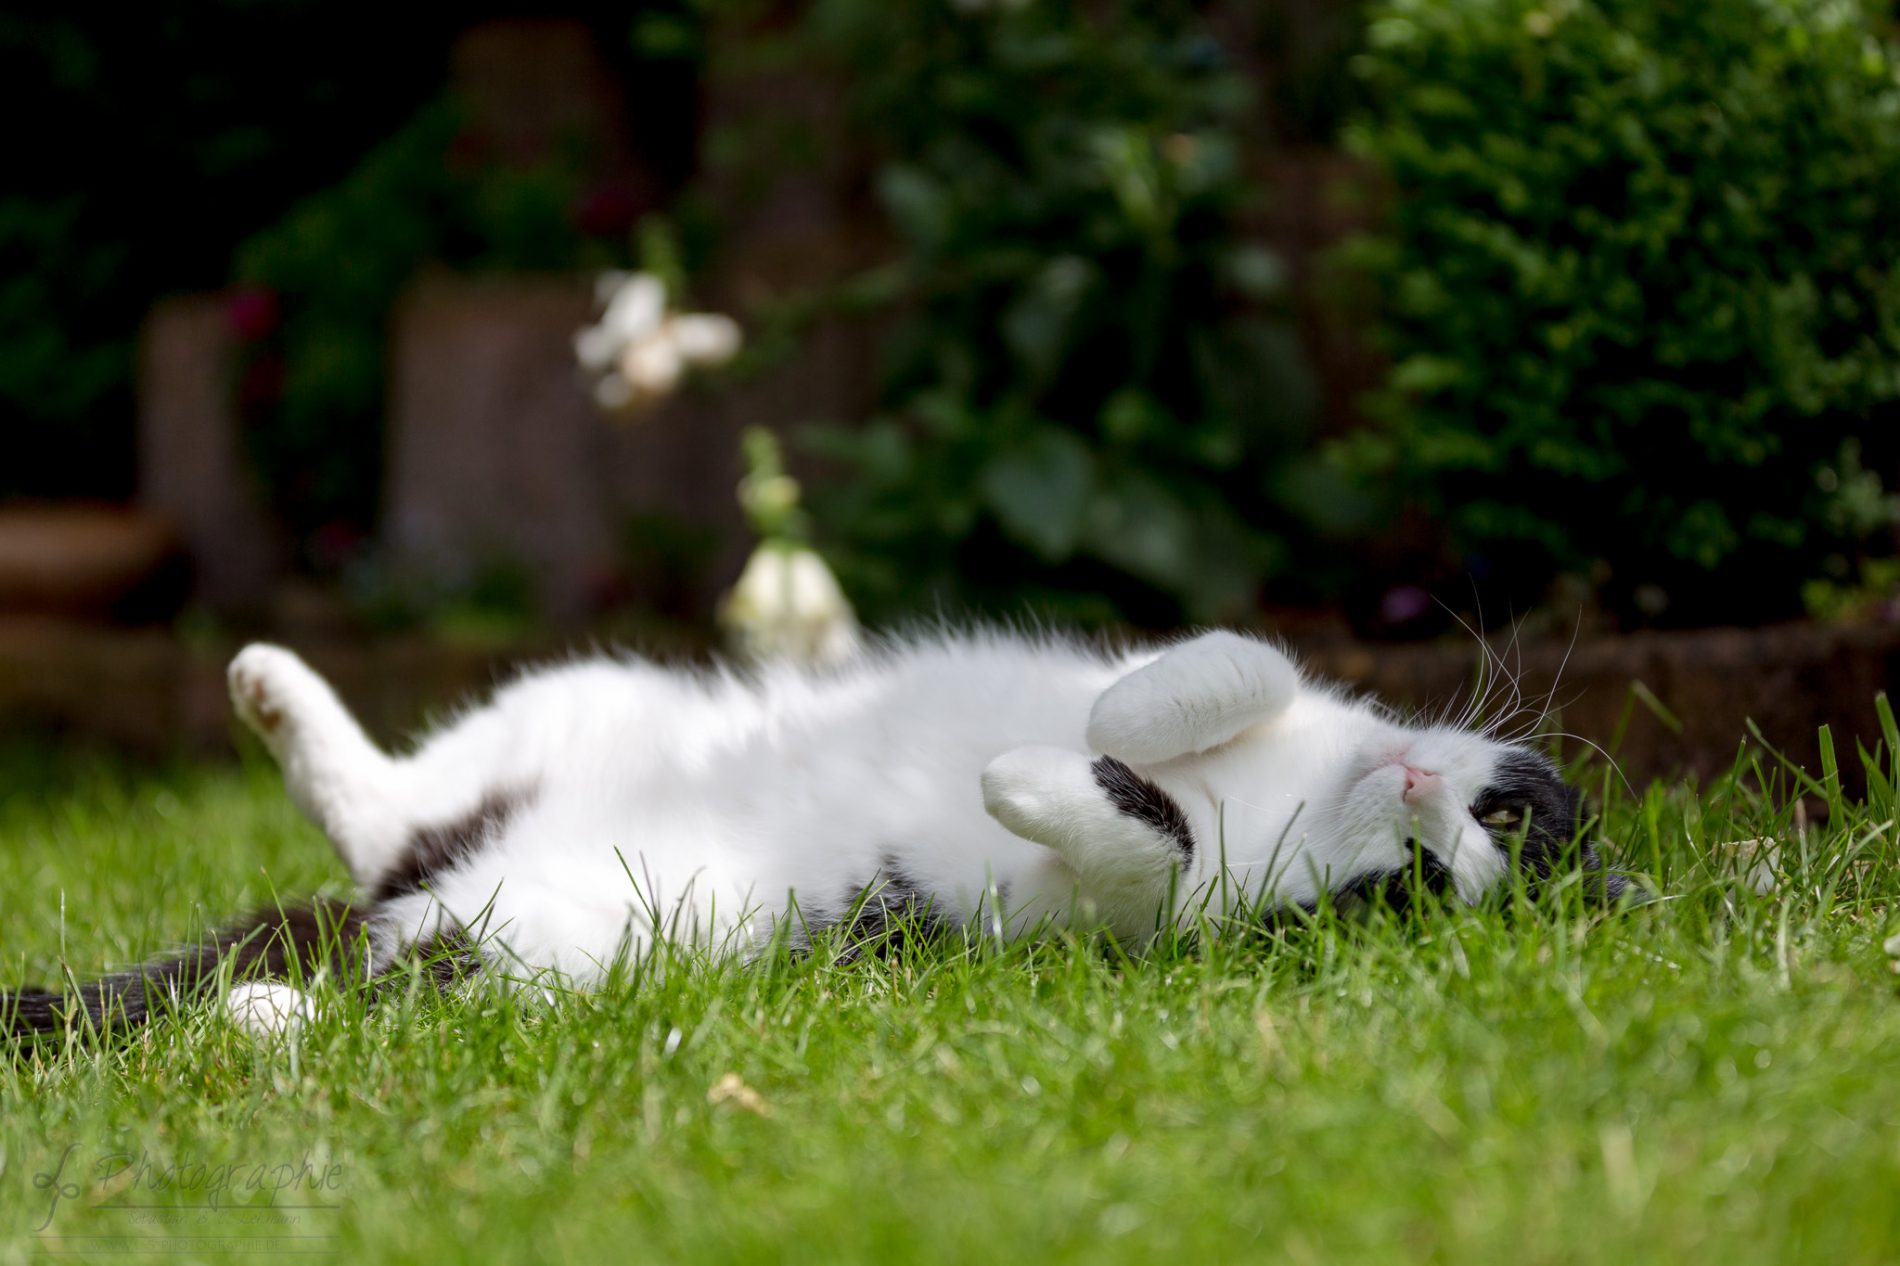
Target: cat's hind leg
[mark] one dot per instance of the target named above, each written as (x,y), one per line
(399,821)
(341,780)
(1127,841)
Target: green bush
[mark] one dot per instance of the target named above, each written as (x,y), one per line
(1641,287)
(1092,406)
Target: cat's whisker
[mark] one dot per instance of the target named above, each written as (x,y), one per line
(1598,748)
(1484,644)
(1490,662)
(1556,681)
(1517,654)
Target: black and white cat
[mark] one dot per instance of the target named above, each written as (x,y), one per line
(990,781)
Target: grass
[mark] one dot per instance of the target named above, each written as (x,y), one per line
(1714,1076)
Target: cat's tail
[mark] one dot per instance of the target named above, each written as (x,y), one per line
(272,944)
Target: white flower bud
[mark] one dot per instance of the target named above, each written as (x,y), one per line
(788,606)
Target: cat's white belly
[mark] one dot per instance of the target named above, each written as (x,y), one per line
(733,814)
(621,803)
(714,812)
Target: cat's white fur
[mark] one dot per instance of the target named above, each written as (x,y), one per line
(712,807)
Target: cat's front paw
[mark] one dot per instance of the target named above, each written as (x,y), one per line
(266,684)
(1033,790)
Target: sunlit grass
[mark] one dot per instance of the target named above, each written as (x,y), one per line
(1711,1076)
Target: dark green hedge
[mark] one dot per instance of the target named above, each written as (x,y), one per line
(1641,284)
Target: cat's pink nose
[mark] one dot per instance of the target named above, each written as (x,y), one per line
(1419,783)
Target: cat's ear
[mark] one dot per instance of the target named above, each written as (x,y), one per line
(1125,838)
(1194,698)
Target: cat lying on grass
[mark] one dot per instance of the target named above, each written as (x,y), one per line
(989,782)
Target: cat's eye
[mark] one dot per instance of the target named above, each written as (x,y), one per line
(1498,819)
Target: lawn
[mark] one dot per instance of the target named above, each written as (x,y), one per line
(1712,1076)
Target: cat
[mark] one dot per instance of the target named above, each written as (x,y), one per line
(987,781)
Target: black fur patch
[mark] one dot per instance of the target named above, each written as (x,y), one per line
(445,959)
(434,849)
(1400,888)
(1141,800)
(879,916)
(1527,786)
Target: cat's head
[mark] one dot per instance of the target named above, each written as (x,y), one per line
(1460,810)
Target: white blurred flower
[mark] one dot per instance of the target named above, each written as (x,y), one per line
(788,606)
(652,365)
(705,338)
(639,350)
(1756,863)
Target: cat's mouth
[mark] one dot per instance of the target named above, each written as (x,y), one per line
(1383,782)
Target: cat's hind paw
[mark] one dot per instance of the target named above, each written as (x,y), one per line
(268,684)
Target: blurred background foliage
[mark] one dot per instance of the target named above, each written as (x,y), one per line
(186,159)
(1095,402)
(1633,267)
(1641,291)
(145,142)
